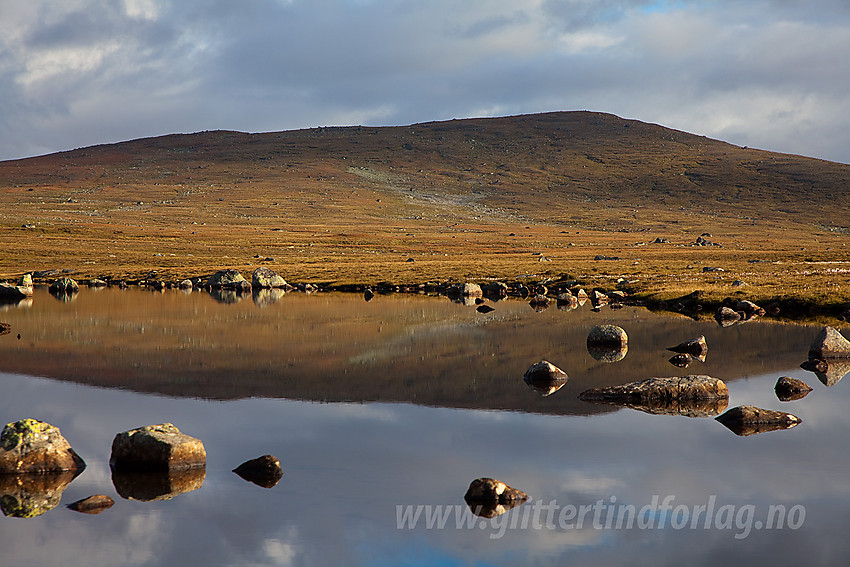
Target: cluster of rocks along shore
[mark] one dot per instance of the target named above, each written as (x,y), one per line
(565,294)
(148,463)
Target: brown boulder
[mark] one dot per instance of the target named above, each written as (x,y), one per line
(788,389)
(696,387)
(750,420)
(545,378)
(488,497)
(263,471)
(156,448)
(32,446)
(829,343)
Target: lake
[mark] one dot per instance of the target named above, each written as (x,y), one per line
(383,412)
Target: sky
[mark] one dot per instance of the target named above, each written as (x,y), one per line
(769,74)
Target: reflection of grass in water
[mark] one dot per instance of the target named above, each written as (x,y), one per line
(338,347)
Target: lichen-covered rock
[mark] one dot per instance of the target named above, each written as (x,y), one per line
(545,378)
(788,389)
(695,387)
(185,284)
(228,279)
(263,471)
(64,285)
(829,343)
(32,446)
(750,420)
(488,497)
(607,336)
(97,283)
(156,448)
(30,495)
(94,504)
(266,278)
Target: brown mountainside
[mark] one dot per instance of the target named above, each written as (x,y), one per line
(473,198)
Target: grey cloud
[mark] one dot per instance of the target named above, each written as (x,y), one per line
(262,65)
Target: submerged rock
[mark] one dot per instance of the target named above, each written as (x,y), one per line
(32,446)
(93,504)
(156,448)
(829,343)
(263,471)
(488,497)
(788,389)
(673,389)
(484,309)
(368,294)
(750,420)
(545,378)
(31,495)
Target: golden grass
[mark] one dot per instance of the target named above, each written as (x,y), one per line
(522,198)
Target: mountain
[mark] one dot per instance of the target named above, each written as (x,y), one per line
(476,198)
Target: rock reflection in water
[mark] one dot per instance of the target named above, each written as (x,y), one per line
(146,487)
(265,297)
(608,354)
(687,408)
(31,495)
(227,296)
(829,372)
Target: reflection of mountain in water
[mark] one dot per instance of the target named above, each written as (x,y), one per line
(335,347)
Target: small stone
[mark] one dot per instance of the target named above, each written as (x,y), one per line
(484,309)
(263,471)
(750,420)
(93,504)
(788,389)
(488,497)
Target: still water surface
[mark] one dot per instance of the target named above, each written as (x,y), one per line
(402,401)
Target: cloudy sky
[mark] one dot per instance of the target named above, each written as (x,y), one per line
(772,74)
